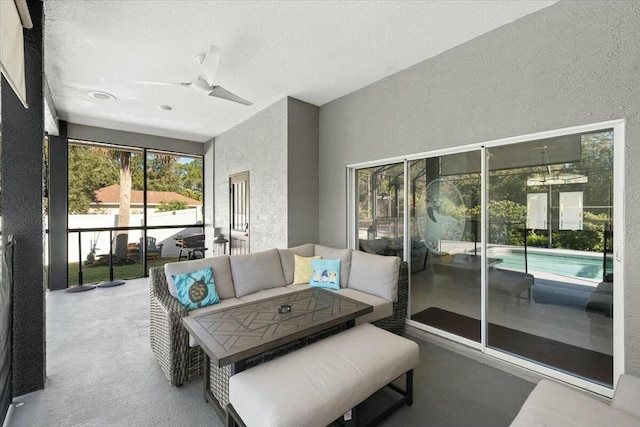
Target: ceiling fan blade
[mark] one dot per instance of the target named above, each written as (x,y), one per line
(220,92)
(144,82)
(209,65)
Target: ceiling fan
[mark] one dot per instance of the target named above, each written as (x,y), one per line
(204,80)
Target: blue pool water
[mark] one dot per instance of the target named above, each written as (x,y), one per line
(568,265)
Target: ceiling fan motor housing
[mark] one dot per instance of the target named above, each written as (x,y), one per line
(201,84)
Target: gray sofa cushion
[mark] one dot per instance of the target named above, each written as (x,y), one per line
(254,272)
(288,262)
(381,307)
(375,274)
(267,293)
(221,274)
(318,383)
(344,255)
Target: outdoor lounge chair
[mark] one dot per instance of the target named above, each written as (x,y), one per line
(119,254)
(153,249)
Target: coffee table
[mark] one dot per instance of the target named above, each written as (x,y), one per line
(244,335)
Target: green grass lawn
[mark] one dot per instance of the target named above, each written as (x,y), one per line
(97,274)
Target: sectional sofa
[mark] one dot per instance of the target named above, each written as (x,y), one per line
(381,281)
(555,405)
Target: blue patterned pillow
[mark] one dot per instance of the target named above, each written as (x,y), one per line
(325,273)
(196,289)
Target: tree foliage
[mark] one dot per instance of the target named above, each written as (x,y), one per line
(92,168)
(506,221)
(161,173)
(89,170)
(172,205)
(507,192)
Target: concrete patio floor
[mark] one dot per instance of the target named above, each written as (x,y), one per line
(101,372)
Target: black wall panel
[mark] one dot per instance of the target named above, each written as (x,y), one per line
(22,211)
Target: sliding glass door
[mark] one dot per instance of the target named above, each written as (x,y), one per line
(380,209)
(509,245)
(550,218)
(446,250)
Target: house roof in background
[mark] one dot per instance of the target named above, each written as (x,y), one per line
(111,195)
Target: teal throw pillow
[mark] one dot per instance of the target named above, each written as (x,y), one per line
(325,273)
(196,289)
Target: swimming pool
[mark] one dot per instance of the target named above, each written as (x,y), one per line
(562,264)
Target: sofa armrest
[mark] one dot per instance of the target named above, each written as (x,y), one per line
(169,339)
(551,404)
(627,394)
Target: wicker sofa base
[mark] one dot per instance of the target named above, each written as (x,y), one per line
(182,363)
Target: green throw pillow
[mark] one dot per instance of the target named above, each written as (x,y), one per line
(325,273)
(196,289)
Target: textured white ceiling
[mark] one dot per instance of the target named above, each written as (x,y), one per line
(315,51)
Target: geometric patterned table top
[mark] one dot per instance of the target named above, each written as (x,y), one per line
(238,332)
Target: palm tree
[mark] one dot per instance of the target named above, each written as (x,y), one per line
(125,189)
(124,159)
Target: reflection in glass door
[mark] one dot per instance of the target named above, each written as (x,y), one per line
(380,210)
(446,256)
(522,241)
(549,239)
(239,227)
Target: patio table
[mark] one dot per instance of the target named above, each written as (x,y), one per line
(245,335)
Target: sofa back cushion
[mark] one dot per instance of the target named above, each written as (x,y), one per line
(344,255)
(375,274)
(221,274)
(257,271)
(288,262)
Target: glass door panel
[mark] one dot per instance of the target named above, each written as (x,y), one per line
(446,256)
(174,190)
(381,210)
(550,281)
(103,188)
(239,213)
(174,198)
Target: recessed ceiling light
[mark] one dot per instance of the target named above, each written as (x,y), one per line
(164,107)
(102,96)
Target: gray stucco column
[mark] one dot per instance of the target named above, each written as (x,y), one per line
(22,211)
(58,219)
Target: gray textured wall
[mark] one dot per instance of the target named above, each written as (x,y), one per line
(302,175)
(570,64)
(258,145)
